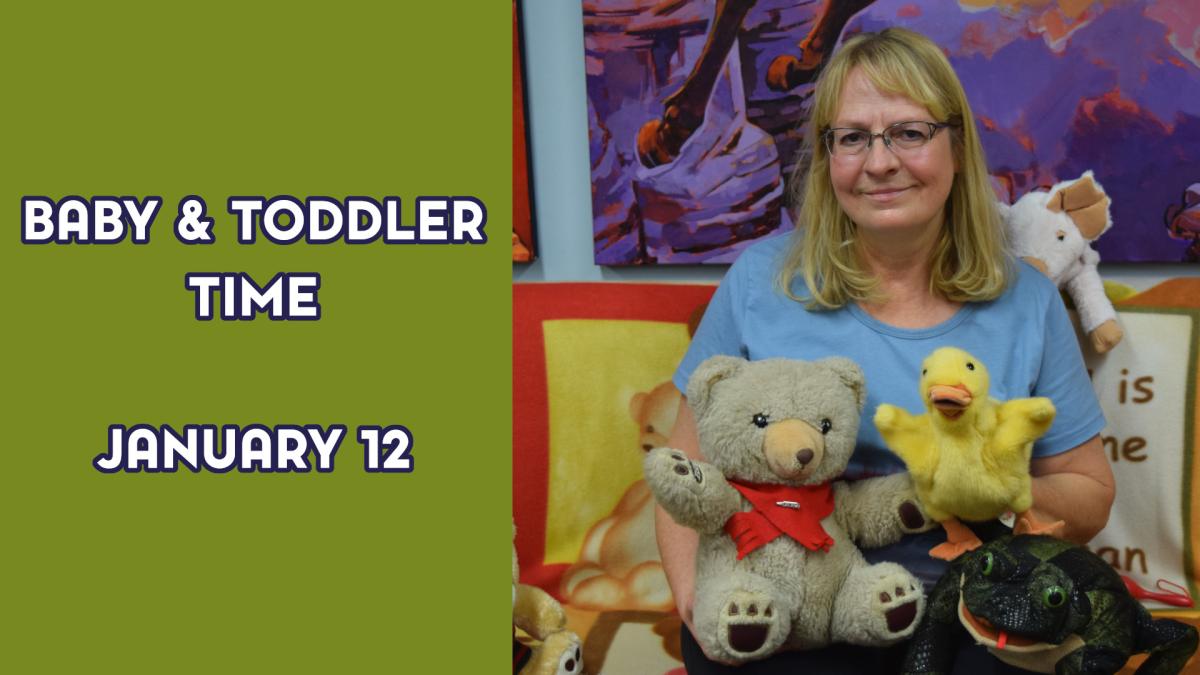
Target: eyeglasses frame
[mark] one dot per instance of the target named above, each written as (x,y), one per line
(827,135)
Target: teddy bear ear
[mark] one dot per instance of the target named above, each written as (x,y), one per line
(707,374)
(850,375)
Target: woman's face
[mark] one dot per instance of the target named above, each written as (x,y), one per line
(890,190)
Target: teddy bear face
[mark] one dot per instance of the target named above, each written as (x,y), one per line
(777,421)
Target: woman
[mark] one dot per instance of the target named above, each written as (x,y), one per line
(900,250)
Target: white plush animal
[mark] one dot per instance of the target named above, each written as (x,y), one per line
(1053,231)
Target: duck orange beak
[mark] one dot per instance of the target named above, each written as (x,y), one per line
(950,400)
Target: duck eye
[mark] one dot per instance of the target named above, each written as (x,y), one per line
(826,425)
(1054,596)
(970,366)
(987,564)
(760,421)
(924,371)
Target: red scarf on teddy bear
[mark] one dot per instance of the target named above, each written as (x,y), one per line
(780,510)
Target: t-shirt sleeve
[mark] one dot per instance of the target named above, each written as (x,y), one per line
(1063,378)
(720,331)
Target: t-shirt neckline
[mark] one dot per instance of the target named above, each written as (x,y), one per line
(911,333)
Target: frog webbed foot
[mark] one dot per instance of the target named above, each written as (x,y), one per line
(1170,644)
(1091,659)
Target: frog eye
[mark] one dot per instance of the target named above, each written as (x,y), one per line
(1054,596)
(826,425)
(987,565)
(760,420)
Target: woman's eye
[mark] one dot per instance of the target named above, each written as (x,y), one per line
(851,138)
(911,135)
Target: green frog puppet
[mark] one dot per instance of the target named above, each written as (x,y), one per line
(1045,605)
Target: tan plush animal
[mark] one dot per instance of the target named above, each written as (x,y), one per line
(968,453)
(555,650)
(777,563)
(1053,231)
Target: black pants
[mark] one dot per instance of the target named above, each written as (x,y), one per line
(839,660)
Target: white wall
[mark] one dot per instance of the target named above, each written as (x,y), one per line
(562,185)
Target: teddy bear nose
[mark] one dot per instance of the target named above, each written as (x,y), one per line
(804,456)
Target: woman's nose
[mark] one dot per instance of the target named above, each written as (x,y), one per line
(880,159)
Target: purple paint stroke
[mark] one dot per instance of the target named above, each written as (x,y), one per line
(1113,95)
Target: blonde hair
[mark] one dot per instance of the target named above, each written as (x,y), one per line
(970,259)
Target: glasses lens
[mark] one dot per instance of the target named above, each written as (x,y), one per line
(847,141)
(909,135)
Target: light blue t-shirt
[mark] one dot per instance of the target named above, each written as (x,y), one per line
(1024,338)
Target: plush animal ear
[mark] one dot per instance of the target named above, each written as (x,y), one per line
(1085,203)
(850,375)
(708,374)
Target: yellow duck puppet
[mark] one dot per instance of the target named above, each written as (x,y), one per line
(968,454)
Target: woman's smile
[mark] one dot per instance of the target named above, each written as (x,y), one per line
(885,195)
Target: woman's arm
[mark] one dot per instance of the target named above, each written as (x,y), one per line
(1075,486)
(676,543)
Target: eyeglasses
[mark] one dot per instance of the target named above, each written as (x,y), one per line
(900,137)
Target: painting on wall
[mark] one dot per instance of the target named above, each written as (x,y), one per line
(696,109)
(522,235)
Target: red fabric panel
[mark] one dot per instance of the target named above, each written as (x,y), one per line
(534,303)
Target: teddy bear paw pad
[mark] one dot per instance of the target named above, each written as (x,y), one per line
(899,604)
(910,516)
(749,623)
(684,467)
(570,663)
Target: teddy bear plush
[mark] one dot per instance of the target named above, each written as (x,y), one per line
(777,564)
(555,650)
(1053,231)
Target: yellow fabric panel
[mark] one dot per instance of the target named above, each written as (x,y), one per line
(593,370)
